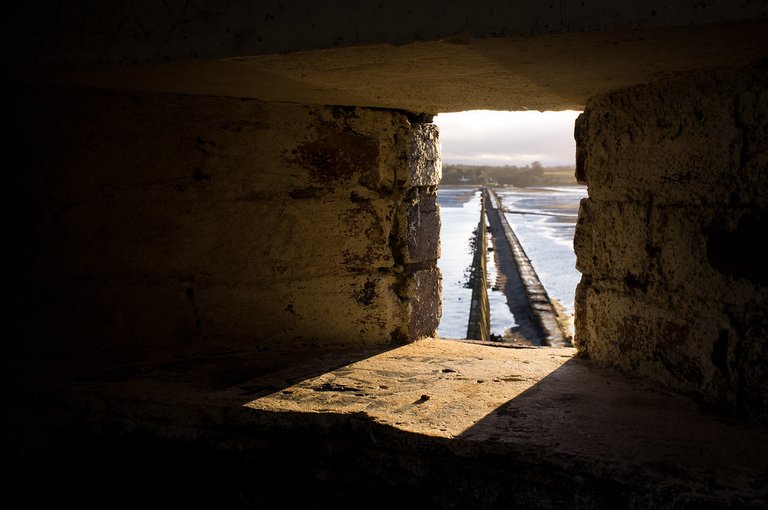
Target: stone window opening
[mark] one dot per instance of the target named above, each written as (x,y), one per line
(223,242)
(492,160)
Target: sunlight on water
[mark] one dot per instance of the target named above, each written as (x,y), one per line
(460,214)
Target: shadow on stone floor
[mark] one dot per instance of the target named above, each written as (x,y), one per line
(623,426)
(178,434)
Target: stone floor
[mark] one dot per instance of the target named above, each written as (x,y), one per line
(437,423)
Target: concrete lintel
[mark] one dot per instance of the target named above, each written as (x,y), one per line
(552,71)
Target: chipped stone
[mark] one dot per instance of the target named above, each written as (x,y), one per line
(425,166)
(425,305)
(423,230)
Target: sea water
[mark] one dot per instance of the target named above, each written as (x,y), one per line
(544,220)
(459,215)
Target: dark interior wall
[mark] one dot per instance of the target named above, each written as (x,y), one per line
(79,32)
(675,285)
(171,222)
(165,221)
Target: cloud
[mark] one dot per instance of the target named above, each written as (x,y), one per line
(483,137)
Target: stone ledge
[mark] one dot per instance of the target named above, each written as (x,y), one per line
(533,424)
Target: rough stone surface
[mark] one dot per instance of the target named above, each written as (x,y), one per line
(423,230)
(674,284)
(425,167)
(159,221)
(425,311)
(565,54)
(113,32)
(441,423)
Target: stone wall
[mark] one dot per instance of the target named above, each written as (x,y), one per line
(113,31)
(674,283)
(186,223)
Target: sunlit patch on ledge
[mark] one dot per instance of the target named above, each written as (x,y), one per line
(433,387)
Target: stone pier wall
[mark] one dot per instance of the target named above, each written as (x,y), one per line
(479,324)
(533,309)
(187,223)
(674,282)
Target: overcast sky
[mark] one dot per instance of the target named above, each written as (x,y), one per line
(483,137)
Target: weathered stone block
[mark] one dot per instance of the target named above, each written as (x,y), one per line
(611,241)
(177,147)
(276,218)
(422,230)
(581,319)
(348,147)
(232,240)
(674,284)
(656,340)
(343,234)
(680,237)
(337,310)
(425,166)
(669,142)
(425,303)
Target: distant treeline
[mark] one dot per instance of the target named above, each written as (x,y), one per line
(530,175)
